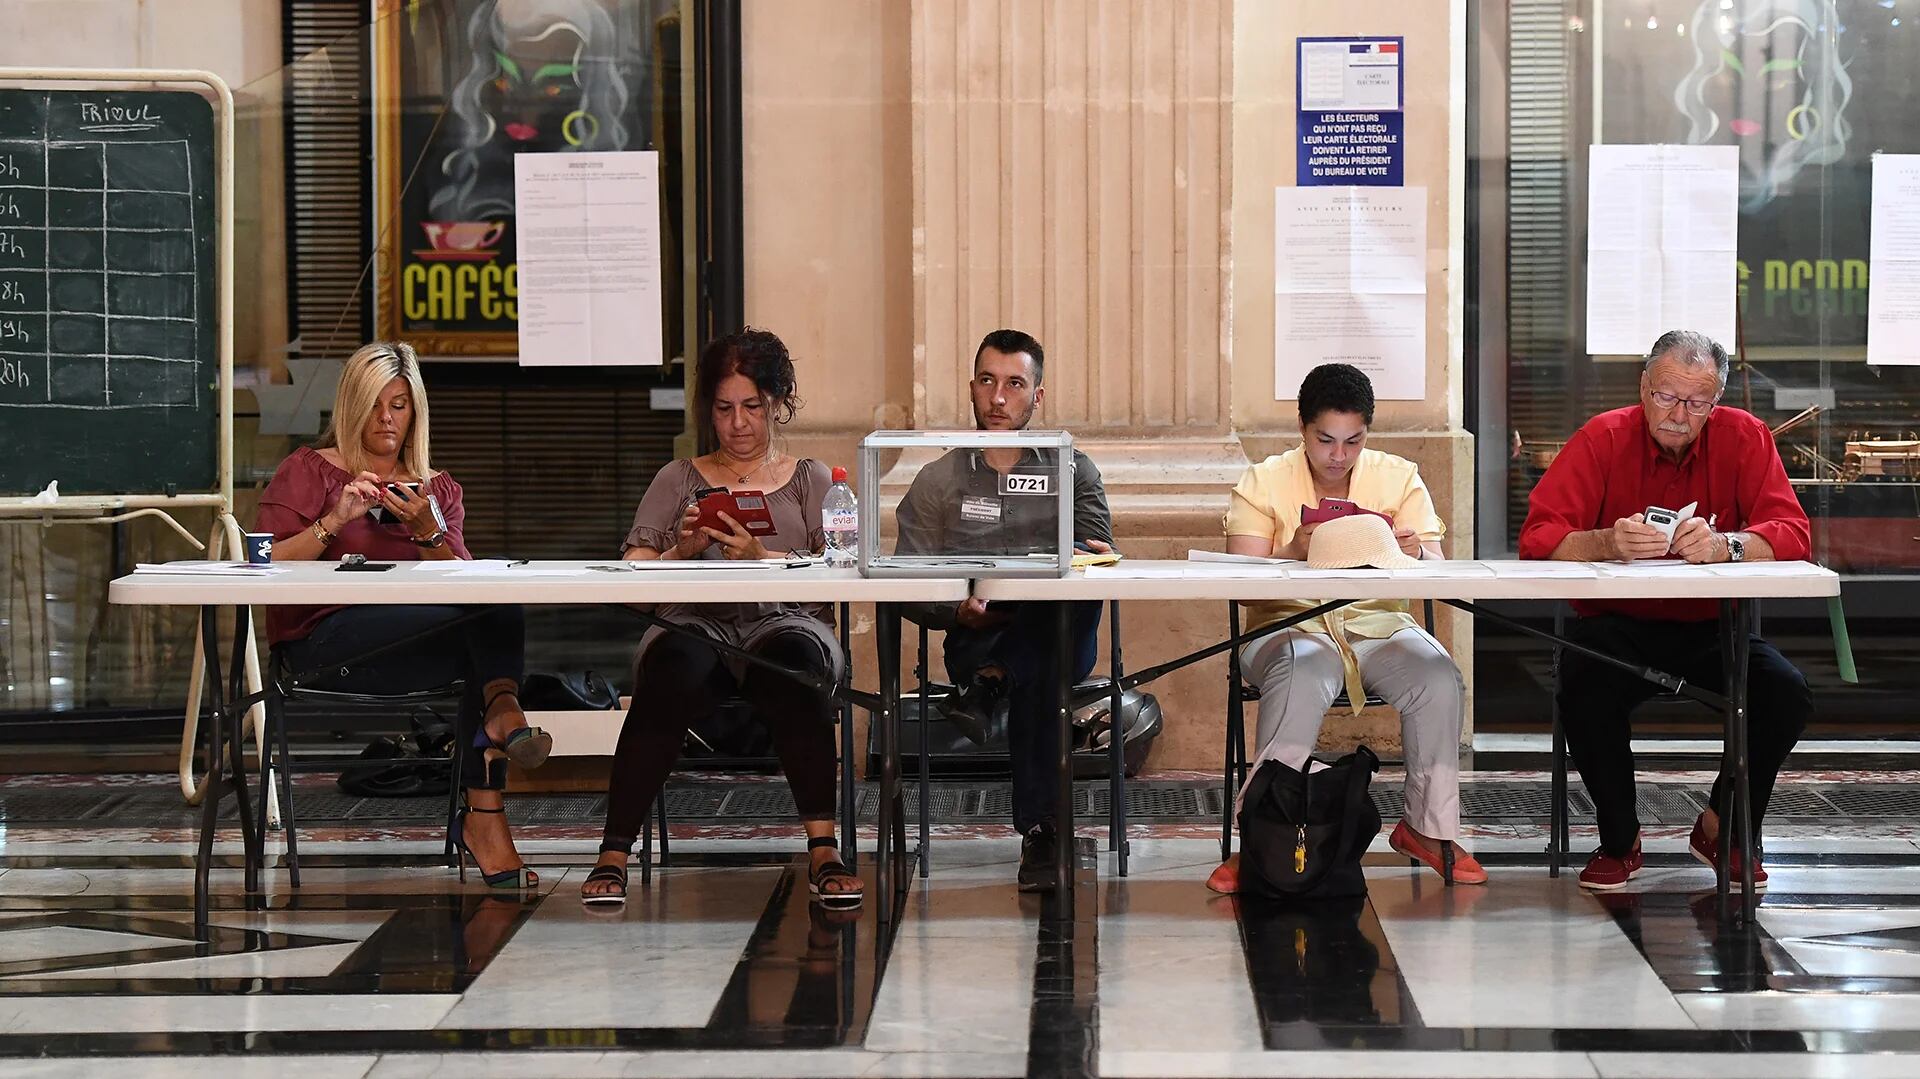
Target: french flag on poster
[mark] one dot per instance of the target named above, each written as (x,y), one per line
(1374,48)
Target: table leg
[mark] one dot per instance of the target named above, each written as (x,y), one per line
(212,788)
(1744,611)
(1117,743)
(1063,718)
(886,638)
(1728,750)
(849,788)
(924,856)
(252,841)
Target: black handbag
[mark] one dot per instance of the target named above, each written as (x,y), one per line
(567,691)
(1303,833)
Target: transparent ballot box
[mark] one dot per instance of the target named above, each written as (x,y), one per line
(983,504)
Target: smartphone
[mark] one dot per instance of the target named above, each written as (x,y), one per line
(1331,509)
(747,507)
(365,567)
(380,513)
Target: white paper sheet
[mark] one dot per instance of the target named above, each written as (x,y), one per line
(587,232)
(497,567)
(202,568)
(1446,568)
(1350,282)
(1235,571)
(1196,555)
(1542,571)
(1136,572)
(1661,227)
(1893,262)
(1764,569)
(1307,574)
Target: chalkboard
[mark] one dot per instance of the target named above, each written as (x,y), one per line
(109,344)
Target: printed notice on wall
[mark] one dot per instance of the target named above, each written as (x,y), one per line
(1350,286)
(589,247)
(1661,226)
(1893,262)
(1351,100)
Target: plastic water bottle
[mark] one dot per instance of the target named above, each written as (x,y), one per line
(840,519)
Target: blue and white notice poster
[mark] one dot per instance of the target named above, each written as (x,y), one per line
(1352,99)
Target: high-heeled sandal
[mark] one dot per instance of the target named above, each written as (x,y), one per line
(528,747)
(610,874)
(517,879)
(834,870)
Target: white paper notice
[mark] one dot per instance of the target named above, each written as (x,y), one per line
(588,239)
(1893,262)
(1350,284)
(1661,227)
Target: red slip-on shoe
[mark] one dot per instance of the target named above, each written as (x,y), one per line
(1604,872)
(1226,878)
(1707,851)
(1466,868)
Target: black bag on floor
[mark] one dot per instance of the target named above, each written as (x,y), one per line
(413,766)
(1302,834)
(567,691)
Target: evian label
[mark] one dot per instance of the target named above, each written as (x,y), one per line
(840,520)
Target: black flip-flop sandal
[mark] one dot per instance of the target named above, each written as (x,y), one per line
(834,870)
(616,874)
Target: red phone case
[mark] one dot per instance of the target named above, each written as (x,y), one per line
(747,507)
(1332,508)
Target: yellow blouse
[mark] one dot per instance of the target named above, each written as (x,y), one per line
(1266,504)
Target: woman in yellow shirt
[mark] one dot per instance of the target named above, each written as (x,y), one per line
(1369,645)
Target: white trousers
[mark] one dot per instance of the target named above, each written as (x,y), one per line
(1299,674)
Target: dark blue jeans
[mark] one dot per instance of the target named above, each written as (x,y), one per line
(1025,648)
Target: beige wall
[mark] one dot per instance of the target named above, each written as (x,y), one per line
(1101,174)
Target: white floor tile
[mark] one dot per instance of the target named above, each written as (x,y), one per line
(661,961)
(1466,1065)
(688,1064)
(63,942)
(64,1015)
(1803,1011)
(314,962)
(1171,983)
(161,1067)
(1755,1066)
(1525,951)
(954,994)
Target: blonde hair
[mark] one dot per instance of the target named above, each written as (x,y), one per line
(365,375)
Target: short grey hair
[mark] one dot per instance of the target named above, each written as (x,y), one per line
(1693,348)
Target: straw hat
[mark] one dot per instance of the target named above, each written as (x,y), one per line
(1359,540)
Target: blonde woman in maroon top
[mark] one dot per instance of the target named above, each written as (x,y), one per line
(368,489)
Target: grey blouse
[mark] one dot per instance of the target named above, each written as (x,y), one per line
(795,509)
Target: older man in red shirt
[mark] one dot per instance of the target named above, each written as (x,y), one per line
(1679,445)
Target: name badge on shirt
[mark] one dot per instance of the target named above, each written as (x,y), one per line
(1026,483)
(980,508)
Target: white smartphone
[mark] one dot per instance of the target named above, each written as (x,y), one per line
(1668,521)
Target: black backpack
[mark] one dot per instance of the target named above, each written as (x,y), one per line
(1302,834)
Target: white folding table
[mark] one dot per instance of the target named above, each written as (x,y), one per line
(1459,584)
(574,583)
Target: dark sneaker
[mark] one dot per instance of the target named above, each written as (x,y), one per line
(1707,851)
(1604,872)
(971,709)
(1038,854)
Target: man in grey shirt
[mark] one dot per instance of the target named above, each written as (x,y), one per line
(956,507)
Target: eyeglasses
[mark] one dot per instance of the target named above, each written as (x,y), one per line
(1695,406)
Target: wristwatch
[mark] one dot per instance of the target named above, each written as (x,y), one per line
(439,536)
(1736,547)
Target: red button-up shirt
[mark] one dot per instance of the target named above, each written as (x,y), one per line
(1611,468)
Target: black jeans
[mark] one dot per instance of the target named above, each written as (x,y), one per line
(492,644)
(681,678)
(1595,699)
(1026,649)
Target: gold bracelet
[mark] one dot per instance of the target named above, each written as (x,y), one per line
(325,537)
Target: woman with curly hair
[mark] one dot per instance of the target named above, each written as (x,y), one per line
(744,388)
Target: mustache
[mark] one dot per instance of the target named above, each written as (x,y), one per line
(1676,430)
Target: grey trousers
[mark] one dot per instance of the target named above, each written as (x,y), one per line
(1299,674)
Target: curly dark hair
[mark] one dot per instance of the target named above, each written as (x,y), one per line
(762,358)
(1336,387)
